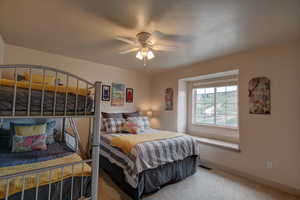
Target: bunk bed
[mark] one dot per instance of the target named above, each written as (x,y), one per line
(55,171)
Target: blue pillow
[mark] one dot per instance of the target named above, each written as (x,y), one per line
(5,139)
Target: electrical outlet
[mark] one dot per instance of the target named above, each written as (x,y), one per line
(269,164)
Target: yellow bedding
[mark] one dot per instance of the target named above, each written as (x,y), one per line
(127,142)
(39,86)
(15,184)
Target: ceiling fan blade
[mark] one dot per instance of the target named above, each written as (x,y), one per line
(164,48)
(131,41)
(173,37)
(129,50)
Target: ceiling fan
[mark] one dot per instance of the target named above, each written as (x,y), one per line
(145,44)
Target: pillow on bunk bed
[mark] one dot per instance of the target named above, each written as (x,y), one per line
(29,130)
(113,125)
(5,138)
(29,143)
(47,128)
(50,132)
(142,121)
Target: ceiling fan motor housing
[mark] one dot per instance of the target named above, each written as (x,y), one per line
(143,37)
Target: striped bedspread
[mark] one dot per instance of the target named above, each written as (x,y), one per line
(147,155)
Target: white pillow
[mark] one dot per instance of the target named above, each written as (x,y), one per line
(143,122)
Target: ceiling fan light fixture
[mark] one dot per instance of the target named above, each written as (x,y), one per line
(139,55)
(145,53)
(150,55)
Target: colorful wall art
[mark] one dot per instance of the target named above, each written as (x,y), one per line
(169,93)
(259,96)
(105,93)
(129,95)
(118,94)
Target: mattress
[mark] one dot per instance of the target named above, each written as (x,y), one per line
(40,160)
(147,155)
(53,151)
(6,102)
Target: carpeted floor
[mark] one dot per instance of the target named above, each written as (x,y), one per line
(204,185)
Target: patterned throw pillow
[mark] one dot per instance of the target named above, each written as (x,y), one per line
(143,122)
(50,131)
(29,143)
(131,127)
(29,130)
(113,125)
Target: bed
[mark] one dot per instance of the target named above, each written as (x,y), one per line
(79,95)
(149,165)
(27,169)
(56,154)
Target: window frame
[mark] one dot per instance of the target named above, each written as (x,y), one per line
(215,84)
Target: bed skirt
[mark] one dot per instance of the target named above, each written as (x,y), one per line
(153,179)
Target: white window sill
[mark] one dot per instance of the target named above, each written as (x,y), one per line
(219,143)
(215,126)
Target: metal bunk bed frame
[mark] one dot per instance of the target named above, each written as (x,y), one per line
(96,115)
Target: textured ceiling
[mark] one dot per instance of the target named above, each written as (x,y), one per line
(86,29)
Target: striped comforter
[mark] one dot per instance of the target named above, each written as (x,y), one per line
(147,155)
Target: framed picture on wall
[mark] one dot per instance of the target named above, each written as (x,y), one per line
(105,93)
(118,94)
(260,96)
(129,95)
(169,99)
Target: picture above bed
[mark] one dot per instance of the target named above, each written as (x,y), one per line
(129,95)
(118,94)
(105,93)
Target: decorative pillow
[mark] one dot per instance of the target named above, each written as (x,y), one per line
(143,122)
(37,78)
(111,115)
(29,143)
(50,131)
(113,125)
(133,114)
(29,130)
(130,127)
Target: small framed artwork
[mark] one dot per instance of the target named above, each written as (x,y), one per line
(105,93)
(129,95)
(260,96)
(169,99)
(118,94)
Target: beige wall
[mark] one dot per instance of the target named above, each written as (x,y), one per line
(2,44)
(89,71)
(274,137)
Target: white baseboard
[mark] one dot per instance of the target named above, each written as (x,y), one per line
(279,186)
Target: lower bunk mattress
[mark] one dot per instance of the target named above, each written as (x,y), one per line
(153,179)
(70,182)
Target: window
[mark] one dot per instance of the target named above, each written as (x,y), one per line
(216,105)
